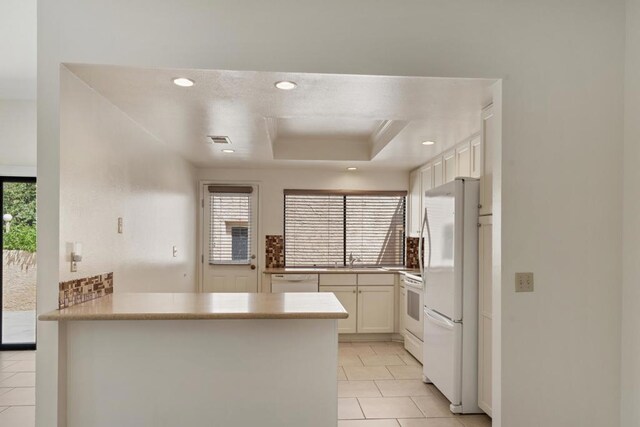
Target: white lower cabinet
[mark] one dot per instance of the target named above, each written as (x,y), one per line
(368,298)
(348,297)
(375,309)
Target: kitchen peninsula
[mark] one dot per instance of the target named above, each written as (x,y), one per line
(152,359)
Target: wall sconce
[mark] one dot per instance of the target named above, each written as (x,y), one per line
(76,256)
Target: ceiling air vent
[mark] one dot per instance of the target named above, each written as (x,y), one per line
(219,139)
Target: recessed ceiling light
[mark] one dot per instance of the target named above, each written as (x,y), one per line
(228,151)
(286,85)
(428,142)
(352,169)
(183,82)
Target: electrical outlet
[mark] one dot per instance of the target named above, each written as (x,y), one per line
(120,225)
(175,251)
(524,282)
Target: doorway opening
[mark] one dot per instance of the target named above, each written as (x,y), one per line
(19,263)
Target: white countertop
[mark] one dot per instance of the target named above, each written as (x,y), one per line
(190,306)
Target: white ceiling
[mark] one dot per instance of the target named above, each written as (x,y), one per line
(18,49)
(372,122)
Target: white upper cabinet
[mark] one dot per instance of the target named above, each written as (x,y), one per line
(449,162)
(489,135)
(426,178)
(463,159)
(414,205)
(476,157)
(438,172)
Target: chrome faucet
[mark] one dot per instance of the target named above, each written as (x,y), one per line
(352,259)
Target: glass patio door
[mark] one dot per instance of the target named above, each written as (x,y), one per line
(19,266)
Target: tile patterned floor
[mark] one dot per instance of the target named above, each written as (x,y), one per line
(17,388)
(380,385)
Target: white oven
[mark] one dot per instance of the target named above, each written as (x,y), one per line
(413,316)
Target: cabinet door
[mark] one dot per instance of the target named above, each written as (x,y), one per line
(463,159)
(485,271)
(415,204)
(489,135)
(348,297)
(438,172)
(476,157)
(449,161)
(426,178)
(375,309)
(402,310)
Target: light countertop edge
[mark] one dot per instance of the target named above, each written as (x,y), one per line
(203,306)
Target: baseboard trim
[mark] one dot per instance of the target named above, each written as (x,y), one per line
(370,337)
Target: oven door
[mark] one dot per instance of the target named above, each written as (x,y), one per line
(414,315)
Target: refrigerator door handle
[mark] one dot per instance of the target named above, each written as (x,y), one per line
(439,320)
(420,262)
(426,221)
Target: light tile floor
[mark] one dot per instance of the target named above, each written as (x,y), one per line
(17,388)
(379,385)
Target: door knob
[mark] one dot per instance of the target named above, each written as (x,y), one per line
(253,257)
(253,266)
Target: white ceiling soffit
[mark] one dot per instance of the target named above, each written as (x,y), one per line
(329,120)
(330,138)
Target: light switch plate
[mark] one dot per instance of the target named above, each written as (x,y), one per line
(524,282)
(120,225)
(175,251)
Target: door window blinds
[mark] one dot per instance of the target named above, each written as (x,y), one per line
(230,225)
(323,228)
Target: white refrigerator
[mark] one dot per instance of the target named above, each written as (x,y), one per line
(450,229)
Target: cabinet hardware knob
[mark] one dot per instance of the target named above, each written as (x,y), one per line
(354,291)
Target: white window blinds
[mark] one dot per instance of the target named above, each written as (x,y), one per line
(323,228)
(230,225)
(314,230)
(375,229)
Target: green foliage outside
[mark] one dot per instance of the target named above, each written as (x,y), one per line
(20,201)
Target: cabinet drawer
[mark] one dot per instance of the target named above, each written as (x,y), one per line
(338,279)
(380,279)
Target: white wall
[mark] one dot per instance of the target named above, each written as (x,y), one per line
(18,137)
(272,182)
(110,167)
(630,370)
(562,65)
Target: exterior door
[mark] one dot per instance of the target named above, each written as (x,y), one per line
(229,261)
(18,268)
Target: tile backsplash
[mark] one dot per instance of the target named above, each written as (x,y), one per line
(80,290)
(412,252)
(274,251)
